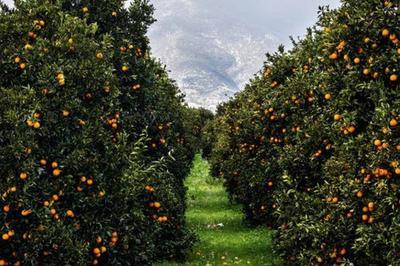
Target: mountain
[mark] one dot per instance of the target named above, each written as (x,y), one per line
(210,54)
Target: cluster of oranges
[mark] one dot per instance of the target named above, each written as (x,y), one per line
(113,121)
(156,205)
(54,166)
(85,181)
(34,122)
(367,71)
(136,86)
(149,189)
(61,79)
(21,64)
(8,235)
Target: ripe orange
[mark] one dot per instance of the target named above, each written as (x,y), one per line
(70,213)
(393,77)
(29,123)
(377,142)
(18,59)
(103,249)
(125,68)
(393,122)
(337,117)
(136,86)
(96,251)
(6,208)
(36,125)
(357,60)
(65,113)
(99,56)
(26,212)
(385,32)
(60,76)
(54,164)
(85,9)
(157,204)
(360,194)
(90,182)
(328,96)
(365,217)
(22,66)
(371,206)
(342,252)
(114,13)
(56,172)
(333,56)
(5,237)
(385,145)
(55,197)
(43,162)
(23,175)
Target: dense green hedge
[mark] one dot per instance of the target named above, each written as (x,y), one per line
(311,145)
(92,138)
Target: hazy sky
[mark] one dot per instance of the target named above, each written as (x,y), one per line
(213,47)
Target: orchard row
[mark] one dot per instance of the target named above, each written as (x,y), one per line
(311,146)
(95,139)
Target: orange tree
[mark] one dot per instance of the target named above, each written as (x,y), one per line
(148,99)
(329,140)
(74,189)
(195,121)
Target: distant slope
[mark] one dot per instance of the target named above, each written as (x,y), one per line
(209,57)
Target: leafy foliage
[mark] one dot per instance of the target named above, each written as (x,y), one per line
(311,145)
(92,138)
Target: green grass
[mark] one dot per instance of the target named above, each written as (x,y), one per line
(232,244)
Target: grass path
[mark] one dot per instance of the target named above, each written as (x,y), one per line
(231,244)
